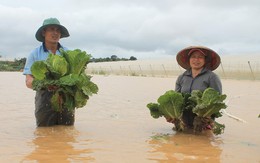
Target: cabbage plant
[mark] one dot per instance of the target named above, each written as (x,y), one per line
(65,76)
(207,106)
(170,105)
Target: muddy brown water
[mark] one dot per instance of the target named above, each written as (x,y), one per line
(115,126)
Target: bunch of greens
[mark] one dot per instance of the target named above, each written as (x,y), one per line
(206,105)
(170,105)
(65,75)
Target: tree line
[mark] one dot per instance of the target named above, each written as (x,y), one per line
(112,59)
(18,64)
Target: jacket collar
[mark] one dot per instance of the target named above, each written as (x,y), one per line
(189,73)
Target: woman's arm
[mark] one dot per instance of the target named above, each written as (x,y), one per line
(215,83)
(178,84)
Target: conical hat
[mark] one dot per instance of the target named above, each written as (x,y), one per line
(212,58)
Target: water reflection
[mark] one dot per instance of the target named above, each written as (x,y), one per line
(185,147)
(58,144)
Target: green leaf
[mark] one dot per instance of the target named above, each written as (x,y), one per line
(39,70)
(154,110)
(43,84)
(56,101)
(69,102)
(69,80)
(57,65)
(86,85)
(77,60)
(208,103)
(80,99)
(171,104)
(218,128)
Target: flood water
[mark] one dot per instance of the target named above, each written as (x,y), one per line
(115,126)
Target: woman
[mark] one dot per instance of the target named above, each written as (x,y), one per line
(199,63)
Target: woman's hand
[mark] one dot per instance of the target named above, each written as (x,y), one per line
(170,120)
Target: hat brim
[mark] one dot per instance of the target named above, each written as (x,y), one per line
(212,62)
(39,36)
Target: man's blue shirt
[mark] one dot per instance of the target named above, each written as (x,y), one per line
(38,54)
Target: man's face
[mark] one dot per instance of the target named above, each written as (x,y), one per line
(52,34)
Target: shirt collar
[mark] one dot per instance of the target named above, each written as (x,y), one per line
(46,50)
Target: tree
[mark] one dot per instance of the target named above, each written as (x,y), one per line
(113,57)
(20,62)
(132,58)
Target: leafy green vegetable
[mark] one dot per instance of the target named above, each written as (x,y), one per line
(218,128)
(39,69)
(188,104)
(77,60)
(205,104)
(202,123)
(56,101)
(65,73)
(57,65)
(208,104)
(154,110)
(170,105)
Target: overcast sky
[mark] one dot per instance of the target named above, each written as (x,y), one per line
(140,28)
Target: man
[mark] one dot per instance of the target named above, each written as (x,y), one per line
(49,34)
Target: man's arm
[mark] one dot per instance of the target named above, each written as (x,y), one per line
(29,80)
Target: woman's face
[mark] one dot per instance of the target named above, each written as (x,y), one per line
(197,60)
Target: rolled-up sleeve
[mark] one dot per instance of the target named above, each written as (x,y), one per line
(29,61)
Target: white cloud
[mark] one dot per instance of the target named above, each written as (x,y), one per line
(146,28)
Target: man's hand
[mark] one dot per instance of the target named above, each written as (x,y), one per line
(28,81)
(52,88)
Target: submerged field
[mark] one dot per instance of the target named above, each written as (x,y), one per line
(115,126)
